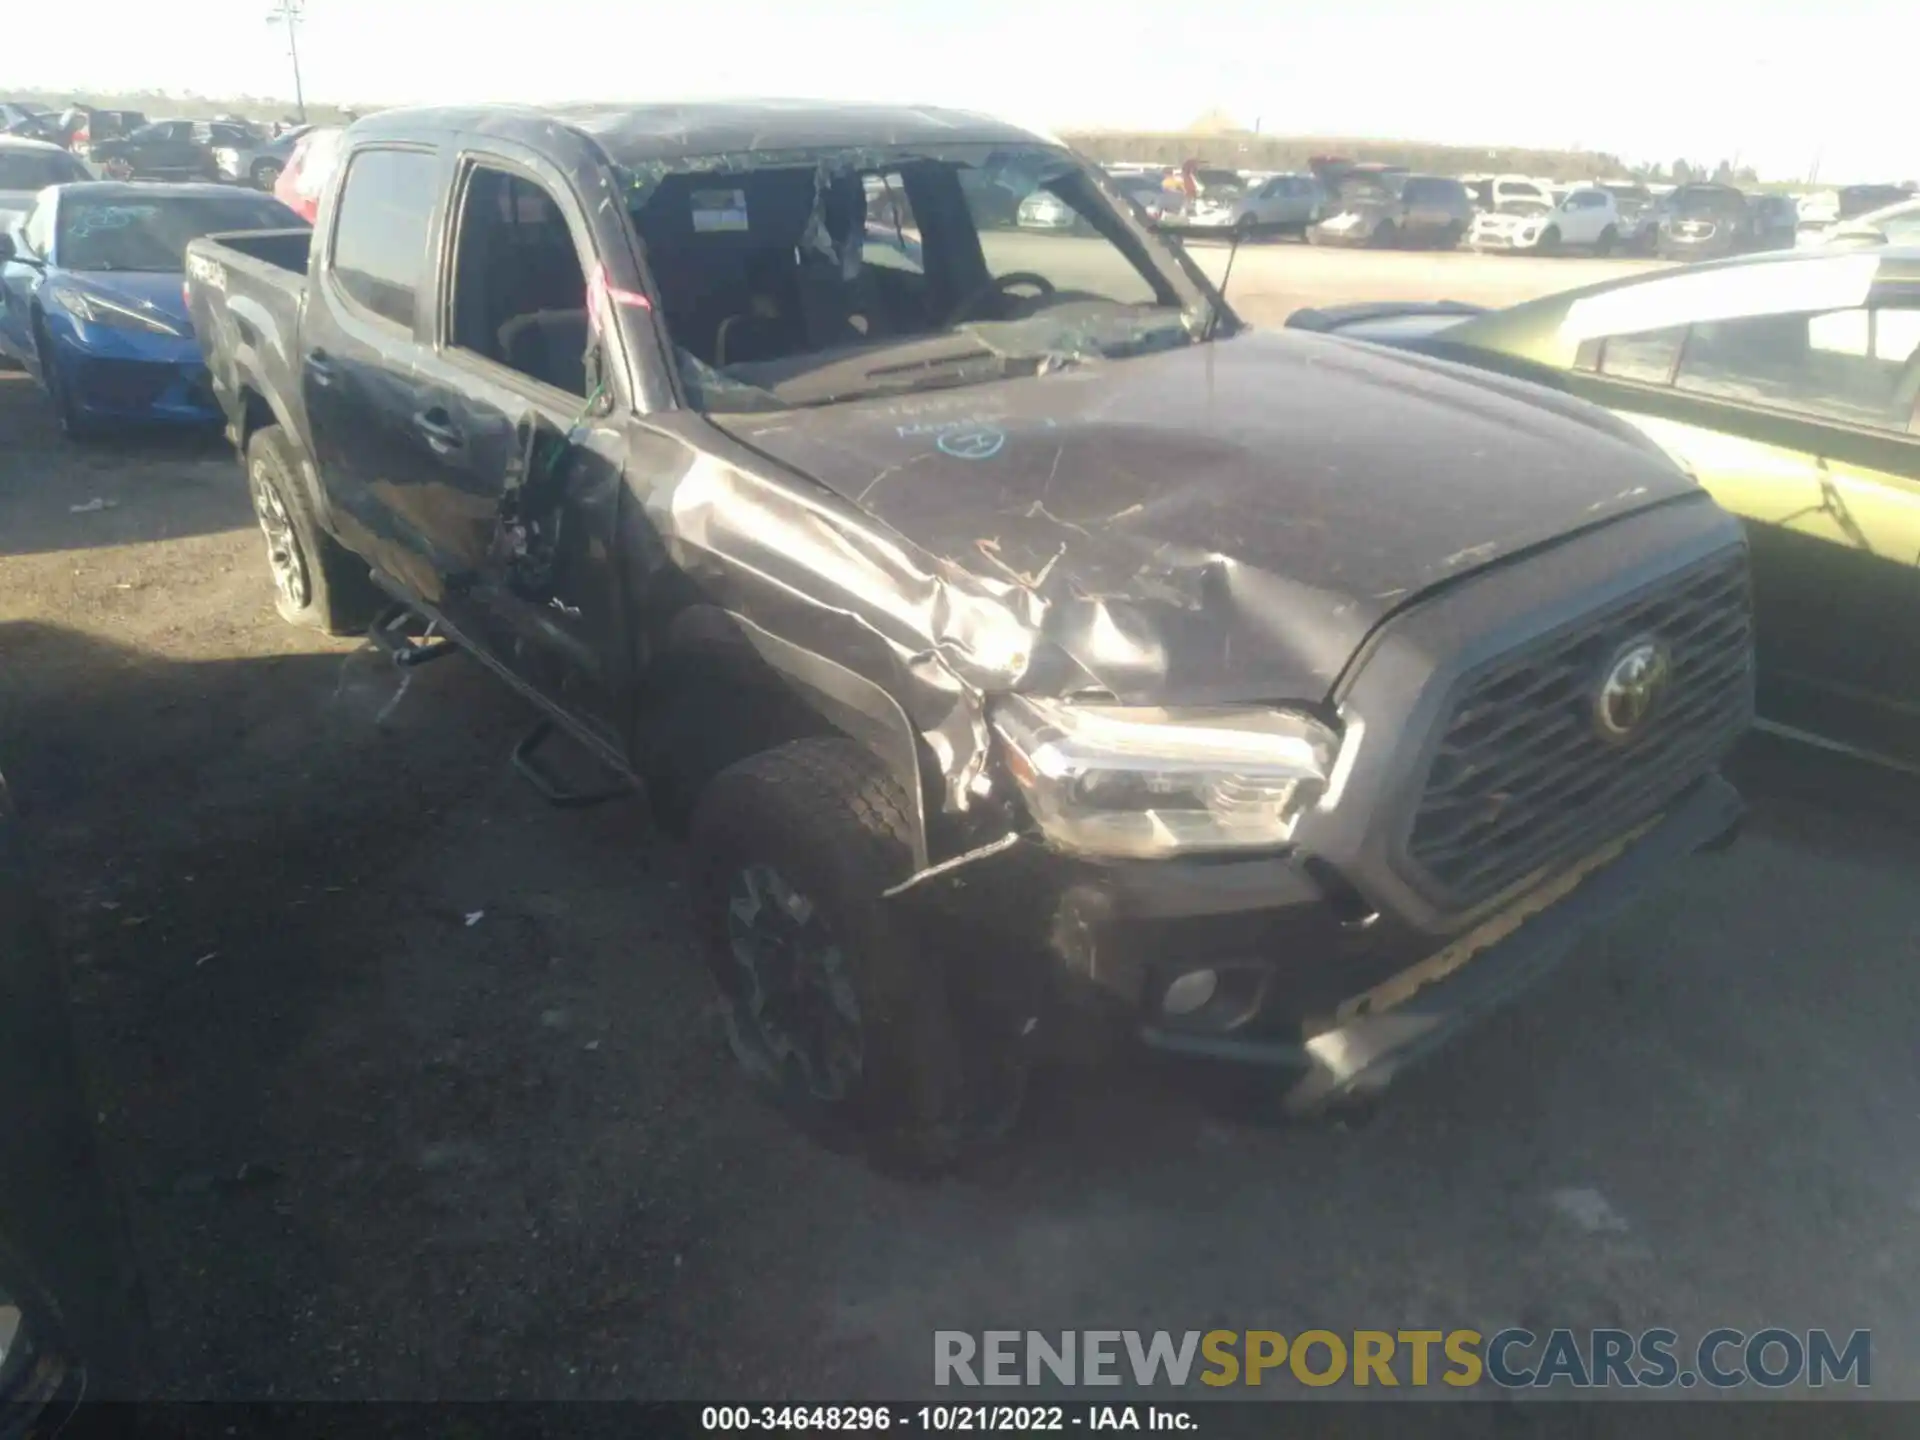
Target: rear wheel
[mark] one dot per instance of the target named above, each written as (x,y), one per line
(1385,236)
(1451,237)
(841,1018)
(317,583)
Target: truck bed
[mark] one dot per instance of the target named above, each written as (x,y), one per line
(246,293)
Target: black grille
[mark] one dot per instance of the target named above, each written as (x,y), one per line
(1523,776)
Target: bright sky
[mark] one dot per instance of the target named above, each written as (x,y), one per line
(1772,81)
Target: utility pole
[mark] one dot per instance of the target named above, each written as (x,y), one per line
(290,13)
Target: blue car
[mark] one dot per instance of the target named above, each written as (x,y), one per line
(92,298)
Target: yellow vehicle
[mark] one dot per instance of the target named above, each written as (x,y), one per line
(1789,385)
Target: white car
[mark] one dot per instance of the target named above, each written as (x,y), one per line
(1890,225)
(1588,218)
(1490,192)
(1277,205)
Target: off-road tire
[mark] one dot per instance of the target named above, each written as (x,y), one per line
(339,598)
(824,815)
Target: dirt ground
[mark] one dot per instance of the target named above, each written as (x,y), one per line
(413,1088)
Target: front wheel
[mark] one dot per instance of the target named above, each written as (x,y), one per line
(317,583)
(839,1016)
(1385,236)
(1609,237)
(73,421)
(266,174)
(1550,240)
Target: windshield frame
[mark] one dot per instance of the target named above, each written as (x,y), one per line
(1201,310)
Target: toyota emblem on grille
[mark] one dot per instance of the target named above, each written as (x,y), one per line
(1631,688)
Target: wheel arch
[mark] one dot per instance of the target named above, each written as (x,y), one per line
(722,688)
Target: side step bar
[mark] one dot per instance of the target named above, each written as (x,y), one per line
(552,790)
(405,651)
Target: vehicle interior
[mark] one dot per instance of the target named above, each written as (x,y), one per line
(519,294)
(789,267)
(766,274)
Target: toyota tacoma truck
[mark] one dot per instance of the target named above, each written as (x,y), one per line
(1017,638)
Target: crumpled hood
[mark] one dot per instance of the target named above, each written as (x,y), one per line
(1225,521)
(159,294)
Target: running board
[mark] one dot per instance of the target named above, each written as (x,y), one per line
(553,791)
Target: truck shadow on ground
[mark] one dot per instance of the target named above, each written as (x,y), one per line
(414,1088)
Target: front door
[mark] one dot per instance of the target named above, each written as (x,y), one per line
(531,457)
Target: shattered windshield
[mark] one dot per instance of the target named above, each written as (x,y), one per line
(808,279)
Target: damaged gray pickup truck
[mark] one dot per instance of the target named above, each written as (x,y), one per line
(1018,637)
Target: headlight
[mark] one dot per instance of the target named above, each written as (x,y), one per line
(96,311)
(1146,783)
(1529,235)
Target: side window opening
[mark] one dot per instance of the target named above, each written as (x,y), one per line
(1648,357)
(519,292)
(1851,366)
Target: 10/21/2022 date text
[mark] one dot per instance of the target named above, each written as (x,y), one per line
(945,1419)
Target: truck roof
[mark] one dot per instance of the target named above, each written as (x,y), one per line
(638,134)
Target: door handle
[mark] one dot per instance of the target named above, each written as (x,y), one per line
(438,429)
(319,368)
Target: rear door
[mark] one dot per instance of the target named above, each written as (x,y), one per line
(366,332)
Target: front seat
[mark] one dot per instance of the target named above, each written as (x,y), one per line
(839,303)
(549,345)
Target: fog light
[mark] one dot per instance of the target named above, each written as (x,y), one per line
(1190,992)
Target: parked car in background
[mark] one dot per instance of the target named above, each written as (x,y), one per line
(1386,210)
(1148,190)
(1278,205)
(26,168)
(1639,214)
(1490,192)
(1789,384)
(1850,206)
(259,161)
(169,150)
(97,127)
(1098,643)
(68,1300)
(1707,222)
(1776,221)
(91,298)
(1895,225)
(309,164)
(1586,219)
(1044,210)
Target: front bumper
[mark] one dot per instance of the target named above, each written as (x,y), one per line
(122,375)
(1381,1032)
